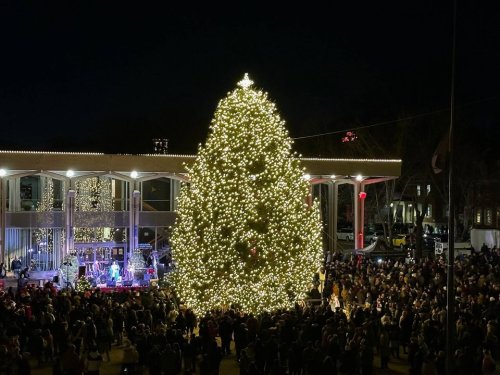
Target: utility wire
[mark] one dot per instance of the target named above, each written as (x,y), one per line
(392,121)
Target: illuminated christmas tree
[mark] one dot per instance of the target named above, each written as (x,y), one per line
(245,233)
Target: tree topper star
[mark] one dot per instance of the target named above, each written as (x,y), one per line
(246,82)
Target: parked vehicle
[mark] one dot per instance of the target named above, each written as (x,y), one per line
(399,240)
(345,234)
(403,240)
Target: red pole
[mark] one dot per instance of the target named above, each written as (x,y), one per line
(361,234)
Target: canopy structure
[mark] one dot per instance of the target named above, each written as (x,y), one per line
(143,191)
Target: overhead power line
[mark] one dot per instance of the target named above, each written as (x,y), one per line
(391,121)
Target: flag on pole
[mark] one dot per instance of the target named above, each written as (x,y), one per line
(440,156)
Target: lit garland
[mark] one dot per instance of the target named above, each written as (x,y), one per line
(245,234)
(44,237)
(93,194)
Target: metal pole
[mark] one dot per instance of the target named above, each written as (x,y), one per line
(450,289)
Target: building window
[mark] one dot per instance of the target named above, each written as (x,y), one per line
(418,191)
(428,189)
(429,210)
(478,216)
(488,216)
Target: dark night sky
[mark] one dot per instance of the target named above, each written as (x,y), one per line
(97,76)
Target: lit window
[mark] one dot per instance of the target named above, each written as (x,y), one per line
(428,189)
(478,216)
(418,191)
(429,210)
(488,216)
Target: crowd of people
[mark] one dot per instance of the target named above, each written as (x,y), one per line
(74,331)
(404,304)
(368,308)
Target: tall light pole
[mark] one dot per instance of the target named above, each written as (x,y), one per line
(450,288)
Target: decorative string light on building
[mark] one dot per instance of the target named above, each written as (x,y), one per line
(349,136)
(93,195)
(44,237)
(243,235)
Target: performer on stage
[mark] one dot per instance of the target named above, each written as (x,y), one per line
(155,264)
(130,270)
(96,269)
(114,271)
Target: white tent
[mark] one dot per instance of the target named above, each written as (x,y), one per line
(366,250)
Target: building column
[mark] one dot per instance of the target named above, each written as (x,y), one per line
(135,201)
(356,187)
(70,214)
(360,239)
(333,193)
(175,187)
(3,218)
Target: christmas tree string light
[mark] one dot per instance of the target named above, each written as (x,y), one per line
(245,234)
(93,194)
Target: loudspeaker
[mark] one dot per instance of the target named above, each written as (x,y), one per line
(160,269)
(55,279)
(127,283)
(81,271)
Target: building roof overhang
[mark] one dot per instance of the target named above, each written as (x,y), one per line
(15,162)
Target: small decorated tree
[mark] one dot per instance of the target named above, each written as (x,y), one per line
(82,284)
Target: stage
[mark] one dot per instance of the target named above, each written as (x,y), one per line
(121,289)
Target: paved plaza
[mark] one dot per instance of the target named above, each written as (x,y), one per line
(228,366)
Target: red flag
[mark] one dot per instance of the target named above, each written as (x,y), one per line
(440,155)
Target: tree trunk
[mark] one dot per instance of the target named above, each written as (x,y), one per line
(419,232)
